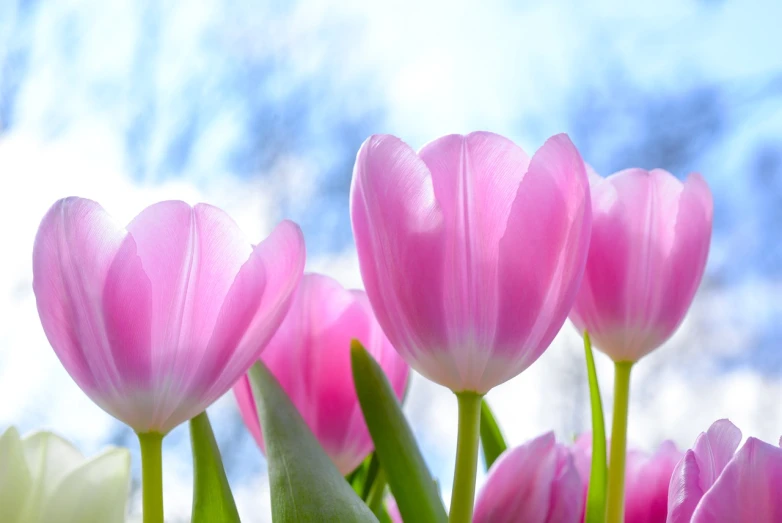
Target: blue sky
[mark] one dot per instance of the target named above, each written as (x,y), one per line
(260,108)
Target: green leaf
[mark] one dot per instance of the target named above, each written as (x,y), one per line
(492,442)
(411,483)
(598,478)
(212,498)
(305,484)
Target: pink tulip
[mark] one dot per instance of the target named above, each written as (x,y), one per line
(157,321)
(646,478)
(537,482)
(310,357)
(470,252)
(714,485)
(650,240)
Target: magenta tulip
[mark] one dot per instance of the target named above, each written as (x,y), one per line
(650,240)
(537,482)
(156,321)
(714,485)
(646,479)
(471,253)
(310,357)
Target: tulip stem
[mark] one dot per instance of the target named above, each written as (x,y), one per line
(152,476)
(616,463)
(467,443)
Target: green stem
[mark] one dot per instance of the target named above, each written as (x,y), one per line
(463,493)
(596,492)
(377,492)
(152,476)
(616,463)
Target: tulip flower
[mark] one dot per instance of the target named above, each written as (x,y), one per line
(537,482)
(157,320)
(648,476)
(715,484)
(43,478)
(650,240)
(471,254)
(310,357)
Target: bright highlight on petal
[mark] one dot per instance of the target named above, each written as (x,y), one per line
(156,321)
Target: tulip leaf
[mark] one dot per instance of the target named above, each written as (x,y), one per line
(598,478)
(212,498)
(305,485)
(492,442)
(408,477)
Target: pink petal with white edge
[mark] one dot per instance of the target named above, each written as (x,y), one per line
(749,488)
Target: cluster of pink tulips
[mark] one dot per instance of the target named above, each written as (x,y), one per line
(473,255)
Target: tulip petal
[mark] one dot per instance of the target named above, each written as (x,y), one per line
(519,487)
(566,503)
(398,228)
(686,259)
(542,255)
(647,483)
(74,250)
(96,492)
(50,459)
(714,449)
(15,480)
(684,492)
(191,256)
(749,488)
(253,309)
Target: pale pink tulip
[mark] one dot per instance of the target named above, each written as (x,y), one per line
(714,485)
(650,240)
(157,320)
(471,253)
(310,357)
(646,478)
(537,482)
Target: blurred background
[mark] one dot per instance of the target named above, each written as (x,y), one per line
(260,107)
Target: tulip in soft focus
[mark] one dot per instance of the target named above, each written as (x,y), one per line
(650,240)
(716,484)
(157,320)
(310,357)
(647,477)
(537,482)
(471,252)
(43,479)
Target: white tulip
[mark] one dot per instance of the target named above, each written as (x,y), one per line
(44,479)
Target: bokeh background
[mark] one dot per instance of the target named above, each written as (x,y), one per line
(260,107)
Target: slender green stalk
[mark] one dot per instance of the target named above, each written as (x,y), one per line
(152,476)
(596,493)
(463,494)
(376,493)
(616,465)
